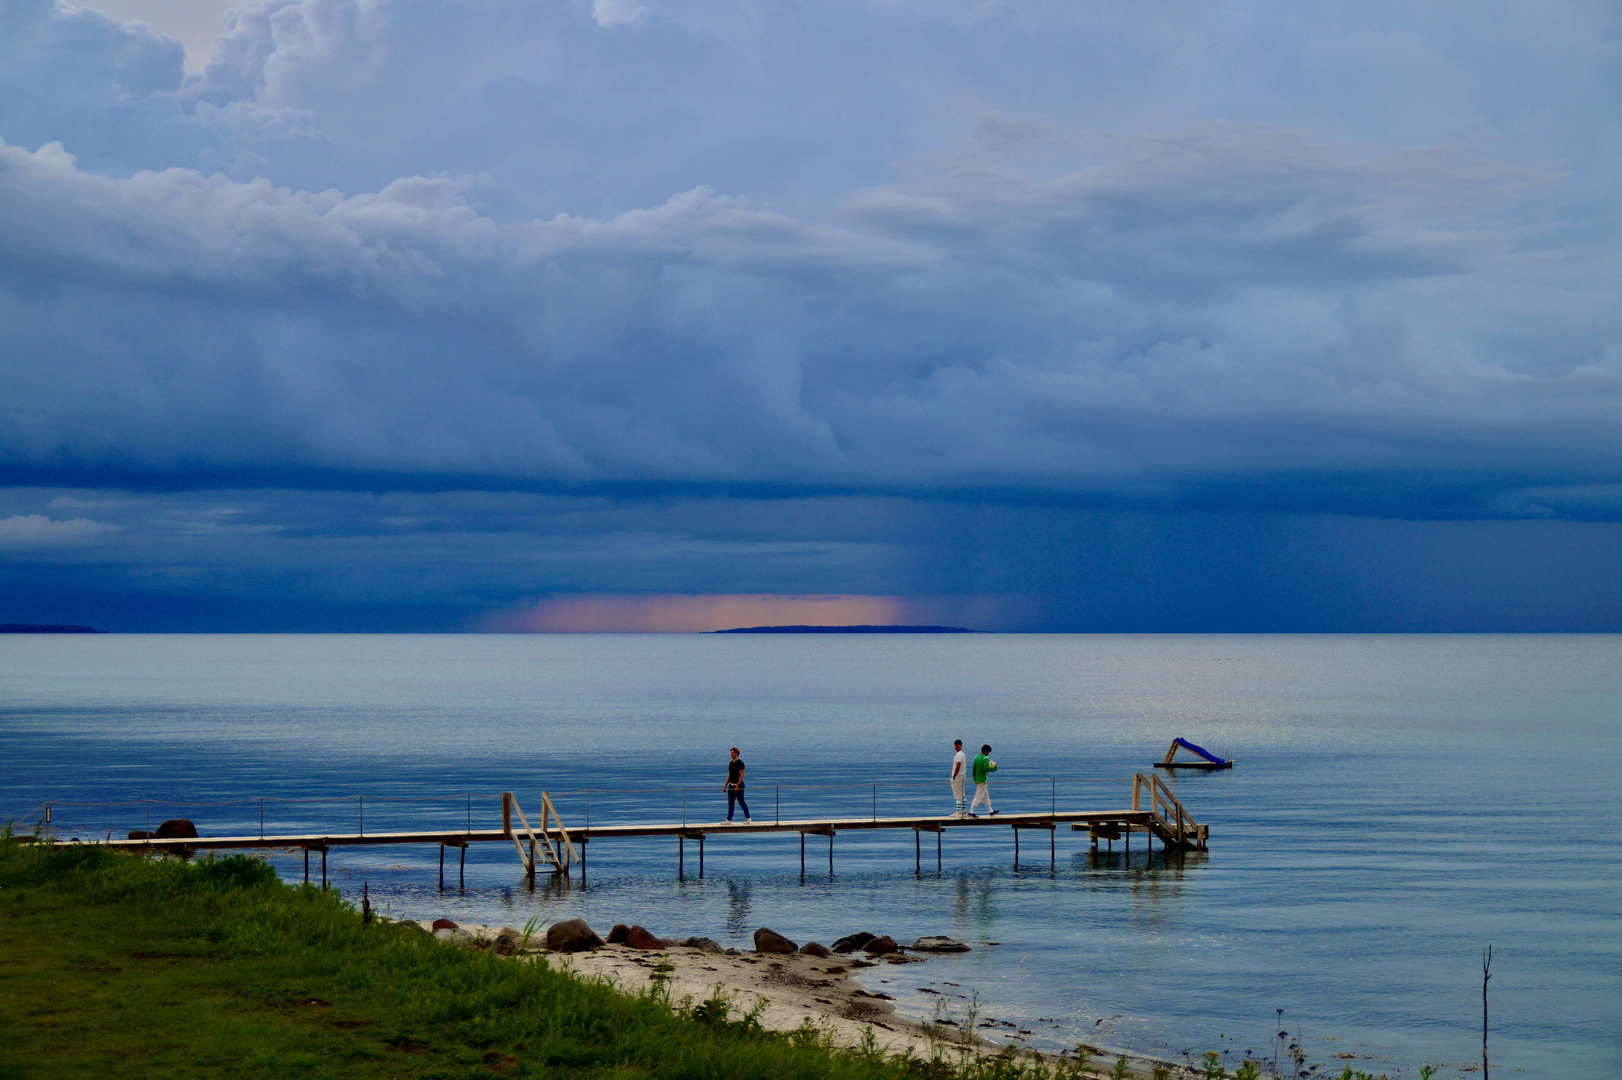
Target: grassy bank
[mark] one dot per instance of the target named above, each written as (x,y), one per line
(118,966)
(114,965)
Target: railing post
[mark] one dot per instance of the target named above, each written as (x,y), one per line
(506,813)
(1137,785)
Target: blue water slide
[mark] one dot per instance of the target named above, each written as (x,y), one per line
(1200,750)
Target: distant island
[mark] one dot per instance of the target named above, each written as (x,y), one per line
(847,630)
(45,628)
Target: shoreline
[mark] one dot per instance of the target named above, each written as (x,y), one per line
(789,992)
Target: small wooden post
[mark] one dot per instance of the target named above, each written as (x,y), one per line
(441,867)
(701,855)
(461,874)
(1016,848)
(307,866)
(530,873)
(917,851)
(681,854)
(323,869)
(506,813)
(802,854)
(830,853)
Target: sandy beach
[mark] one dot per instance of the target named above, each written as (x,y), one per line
(837,996)
(786,991)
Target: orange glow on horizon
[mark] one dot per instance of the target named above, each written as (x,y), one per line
(679,613)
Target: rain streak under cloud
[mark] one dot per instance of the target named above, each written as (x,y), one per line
(402,314)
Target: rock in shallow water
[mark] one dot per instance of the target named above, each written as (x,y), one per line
(939,943)
(176,829)
(571,935)
(770,941)
(880,945)
(852,942)
(639,938)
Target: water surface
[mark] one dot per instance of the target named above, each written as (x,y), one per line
(1400,802)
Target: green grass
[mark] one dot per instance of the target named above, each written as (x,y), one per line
(113,965)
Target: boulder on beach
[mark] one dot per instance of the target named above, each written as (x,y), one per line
(852,942)
(811,948)
(939,943)
(571,936)
(508,942)
(175,829)
(618,934)
(881,945)
(639,938)
(444,924)
(770,941)
(703,944)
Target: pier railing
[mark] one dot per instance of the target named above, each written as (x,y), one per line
(1167,816)
(471,811)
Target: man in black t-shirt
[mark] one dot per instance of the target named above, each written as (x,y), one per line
(734,786)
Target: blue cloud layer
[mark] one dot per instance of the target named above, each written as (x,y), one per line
(1047,259)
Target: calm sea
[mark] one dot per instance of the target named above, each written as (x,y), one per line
(1399,804)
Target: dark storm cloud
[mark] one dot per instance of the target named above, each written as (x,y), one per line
(276,560)
(966,263)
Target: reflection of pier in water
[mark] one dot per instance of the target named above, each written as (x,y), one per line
(551,847)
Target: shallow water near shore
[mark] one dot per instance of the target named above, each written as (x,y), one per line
(1399,803)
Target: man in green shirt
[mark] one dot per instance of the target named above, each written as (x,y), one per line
(983,768)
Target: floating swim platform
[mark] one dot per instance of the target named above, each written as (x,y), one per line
(1207,760)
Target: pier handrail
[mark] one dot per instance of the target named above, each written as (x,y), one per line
(544,840)
(568,845)
(1167,811)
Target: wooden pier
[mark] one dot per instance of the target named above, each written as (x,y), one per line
(550,846)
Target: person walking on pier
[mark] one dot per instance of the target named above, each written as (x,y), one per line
(960,773)
(983,768)
(734,786)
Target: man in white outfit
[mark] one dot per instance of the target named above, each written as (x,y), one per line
(960,768)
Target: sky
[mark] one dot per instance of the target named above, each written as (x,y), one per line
(526,315)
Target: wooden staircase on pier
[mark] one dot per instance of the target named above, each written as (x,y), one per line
(1165,818)
(550,846)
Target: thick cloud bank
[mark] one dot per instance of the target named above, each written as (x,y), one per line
(1346,260)
(1026,304)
